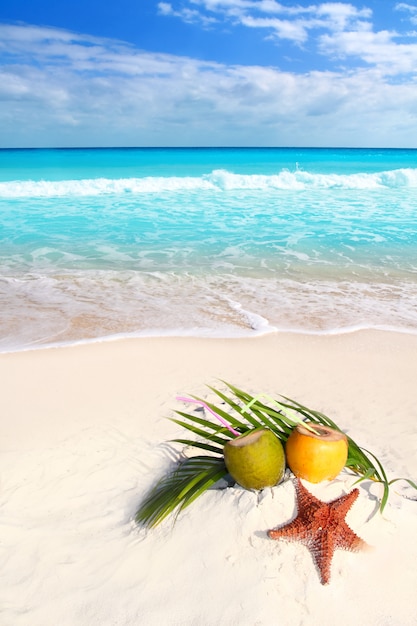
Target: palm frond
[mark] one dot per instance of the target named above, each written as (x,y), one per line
(241,412)
(177,490)
(200,444)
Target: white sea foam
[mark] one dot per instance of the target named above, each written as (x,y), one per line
(41,310)
(217,180)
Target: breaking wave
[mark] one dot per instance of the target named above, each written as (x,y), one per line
(217,180)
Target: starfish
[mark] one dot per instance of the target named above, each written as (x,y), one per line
(321,526)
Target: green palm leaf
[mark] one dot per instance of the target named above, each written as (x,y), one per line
(180,488)
(242,412)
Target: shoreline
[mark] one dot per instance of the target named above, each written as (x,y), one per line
(261,361)
(86,432)
(208,334)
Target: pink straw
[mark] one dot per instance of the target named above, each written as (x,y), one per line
(206,406)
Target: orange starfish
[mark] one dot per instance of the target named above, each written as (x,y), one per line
(321,527)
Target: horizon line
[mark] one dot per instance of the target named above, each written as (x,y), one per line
(207,148)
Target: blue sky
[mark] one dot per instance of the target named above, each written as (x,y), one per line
(207,73)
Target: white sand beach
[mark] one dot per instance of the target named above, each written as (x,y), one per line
(83,435)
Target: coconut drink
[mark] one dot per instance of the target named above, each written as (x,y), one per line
(316,455)
(255,459)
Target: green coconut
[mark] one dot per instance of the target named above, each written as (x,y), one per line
(255,459)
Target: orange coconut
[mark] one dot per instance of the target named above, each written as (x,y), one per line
(316,457)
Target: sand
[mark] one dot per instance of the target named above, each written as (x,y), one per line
(83,435)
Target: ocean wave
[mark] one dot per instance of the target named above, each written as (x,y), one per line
(41,309)
(217,180)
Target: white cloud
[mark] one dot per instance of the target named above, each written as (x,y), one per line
(283,29)
(62,88)
(187,15)
(285,22)
(339,30)
(340,16)
(345,11)
(410,9)
(377,49)
(164,8)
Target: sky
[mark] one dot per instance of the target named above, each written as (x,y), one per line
(208,73)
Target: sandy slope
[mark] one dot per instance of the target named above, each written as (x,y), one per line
(82,437)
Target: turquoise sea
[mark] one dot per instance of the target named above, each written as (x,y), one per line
(97,243)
